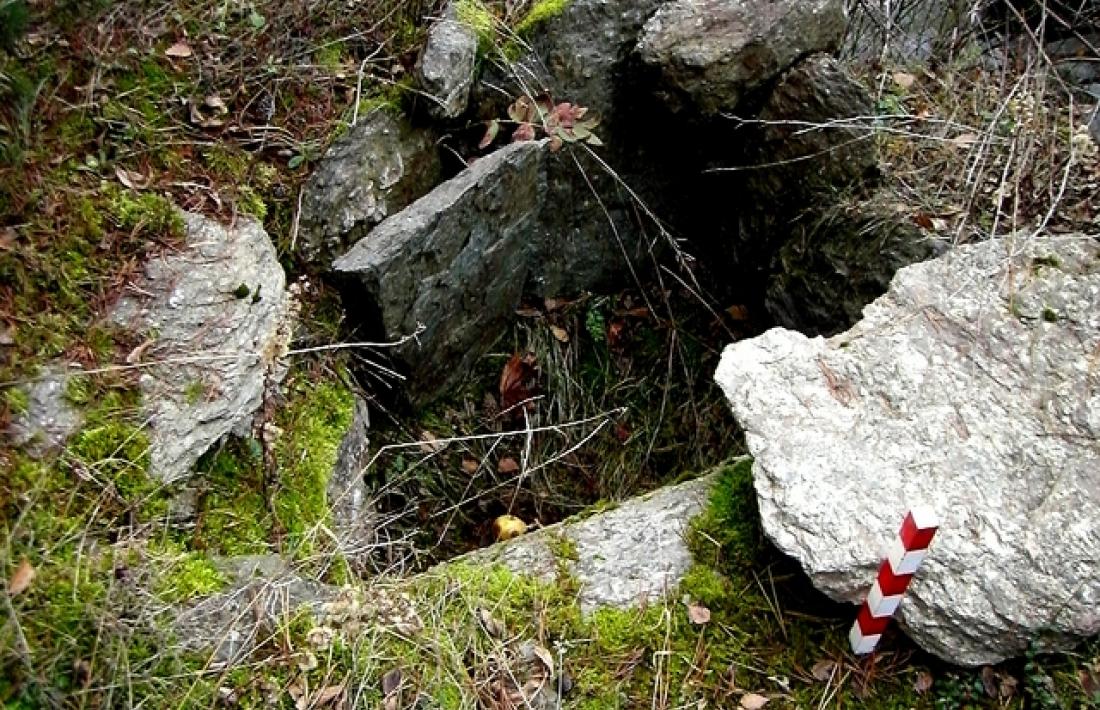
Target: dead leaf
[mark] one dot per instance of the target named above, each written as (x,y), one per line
(216,103)
(7,335)
(515,380)
(137,353)
(179,50)
(21,578)
(544,656)
(923,220)
(328,694)
(615,334)
(823,670)
(430,443)
(989,681)
(698,614)
(560,334)
(904,79)
(506,527)
(470,466)
(1090,682)
(923,682)
(7,239)
(507,465)
(131,178)
(391,681)
(965,140)
(753,701)
(1009,683)
(493,627)
(621,432)
(738,312)
(524,132)
(82,672)
(555,143)
(491,131)
(553,304)
(525,312)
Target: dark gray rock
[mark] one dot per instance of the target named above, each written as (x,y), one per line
(218,319)
(381,165)
(830,268)
(815,137)
(446,66)
(710,53)
(49,419)
(967,388)
(451,267)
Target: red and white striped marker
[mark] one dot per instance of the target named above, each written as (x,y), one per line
(894,574)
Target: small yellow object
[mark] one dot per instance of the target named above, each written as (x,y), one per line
(507,527)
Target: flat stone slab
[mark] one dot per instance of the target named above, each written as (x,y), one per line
(624,557)
(218,319)
(973,387)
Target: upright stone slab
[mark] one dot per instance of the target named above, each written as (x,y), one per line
(451,267)
(970,387)
(446,66)
(374,170)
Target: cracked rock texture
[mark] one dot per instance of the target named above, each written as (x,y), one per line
(970,386)
(711,53)
(48,420)
(375,169)
(446,66)
(217,317)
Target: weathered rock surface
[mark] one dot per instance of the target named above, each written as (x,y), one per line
(815,136)
(967,387)
(353,517)
(218,318)
(446,66)
(832,266)
(452,265)
(624,557)
(381,165)
(710,53)
(48,420)
(264,594)
(907,31)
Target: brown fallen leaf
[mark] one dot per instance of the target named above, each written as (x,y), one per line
(391,681)
(698,614)
(904,79)
(494,627)
(491,131)
(823,670)
(560,334)
(965,140)
(507,465)
(738,312)
(753,701)
(430,443)
(515,380)
(1090,682)
(989,681)
(470,466)
(21,578)
(328,695)
(179,50)
(544,656)
(131,178)
(923,682)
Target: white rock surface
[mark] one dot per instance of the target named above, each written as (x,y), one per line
(972,386)
(48,420)
(211,346)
